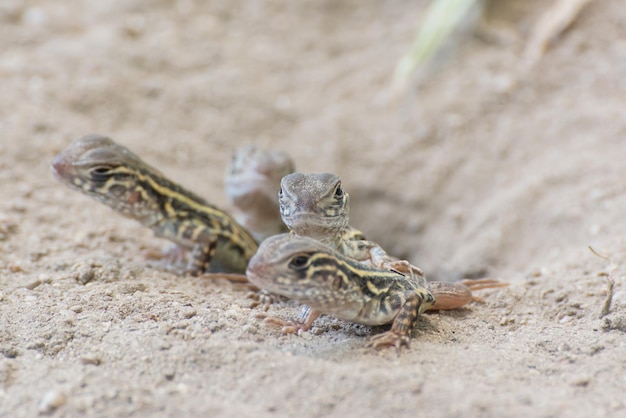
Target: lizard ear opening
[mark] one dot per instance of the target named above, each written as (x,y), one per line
(337,283)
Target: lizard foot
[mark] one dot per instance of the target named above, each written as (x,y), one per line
(174,255)
(287,327)
(171,259)
(302,324)
(389,339)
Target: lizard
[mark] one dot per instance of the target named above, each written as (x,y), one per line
(98,167)
(317,206)
(252,180)
(328,282)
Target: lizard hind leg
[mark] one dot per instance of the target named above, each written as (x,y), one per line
(400,333)
(455,295)
(201,257)
(449,295)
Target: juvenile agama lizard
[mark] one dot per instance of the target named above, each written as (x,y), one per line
(252,180)
(312,273)
(110,173)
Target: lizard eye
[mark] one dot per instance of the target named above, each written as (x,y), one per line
(100,172)
(339,191)
(280,193)
(299,261)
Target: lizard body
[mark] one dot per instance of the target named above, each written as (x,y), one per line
(313,273)
(110,173)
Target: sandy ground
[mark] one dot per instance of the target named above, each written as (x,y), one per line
(476,170)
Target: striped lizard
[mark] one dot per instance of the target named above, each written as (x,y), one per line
(109,172)
(316,206)
(313,273)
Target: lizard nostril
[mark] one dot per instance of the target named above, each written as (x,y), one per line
(59,164)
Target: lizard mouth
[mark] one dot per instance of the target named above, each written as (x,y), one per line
(312,217)
(314,221)
(60,165)
(65,163)
(62,168)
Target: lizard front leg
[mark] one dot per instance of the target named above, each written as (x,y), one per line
(372,253)
(303,323)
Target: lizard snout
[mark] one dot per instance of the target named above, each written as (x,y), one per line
(60,165)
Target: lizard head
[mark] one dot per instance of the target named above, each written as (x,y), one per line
(100,168)
(253,176)
(252,179)
(314,205)
(300,268)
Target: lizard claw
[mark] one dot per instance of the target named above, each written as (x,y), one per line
(302,324)
(287,327)
(403,267)
(389,339)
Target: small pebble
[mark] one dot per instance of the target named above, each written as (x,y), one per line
(582,381)
(250,329)
(9,352)
(85,275)
(76,308)
(93,359)
(182,388)
(15,268)
(564,347)
(233,312)
(316,331)
(189,313)
(506,321)
(306,335)
(52,400)
(32,285)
